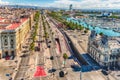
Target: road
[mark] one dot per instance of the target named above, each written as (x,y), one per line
(23,69)
(22,72)
(89,75)
(56,63)
(39,43)
(24,64)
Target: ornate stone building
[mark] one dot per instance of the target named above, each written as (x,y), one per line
(104,50)
(15,25)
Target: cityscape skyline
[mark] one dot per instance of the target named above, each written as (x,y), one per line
(47,41)
(78,4)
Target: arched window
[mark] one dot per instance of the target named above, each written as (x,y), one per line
(5,42)
(12,41)
(5,36)
(12,53)
(6,53)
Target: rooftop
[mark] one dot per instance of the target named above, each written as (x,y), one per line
(106,23)
(12,18)
(114,44)
(11,26)
(98,25)
(15,25)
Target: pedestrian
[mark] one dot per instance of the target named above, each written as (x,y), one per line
(53,74)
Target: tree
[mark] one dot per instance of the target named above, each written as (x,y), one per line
(85,31)
(65,56)
(101,34)
(80,27)
(87,28)
(76,25)
(52,33)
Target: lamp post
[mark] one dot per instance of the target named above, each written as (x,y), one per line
(108,62)
(81,73)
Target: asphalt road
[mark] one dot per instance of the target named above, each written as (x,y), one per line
(56,62)
(23,68)
(39,54)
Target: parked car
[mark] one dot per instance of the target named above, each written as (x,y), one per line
(75,67)
(23,55)
(104,72)
(51,58)
(48,46)
(61,74)
(52,70)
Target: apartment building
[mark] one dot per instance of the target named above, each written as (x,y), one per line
(13,30)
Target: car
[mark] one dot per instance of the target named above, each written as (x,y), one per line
(49,42)
(61,74)
(37,48)
(22,79)
(10,78)
(51,58)
(48,46)
(75,67)
(24,51)
(51,70)
(23,55)
(118,75)
(104,72)
(24,46)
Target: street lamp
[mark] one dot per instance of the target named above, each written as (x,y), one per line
(108,62)
(81,73)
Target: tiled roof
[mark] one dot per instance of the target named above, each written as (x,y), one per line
(1,19)
(15,25)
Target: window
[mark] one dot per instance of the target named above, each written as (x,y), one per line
(6,53)
(11,41)
(5,42)
(12,46)
(12,53)
(5,36)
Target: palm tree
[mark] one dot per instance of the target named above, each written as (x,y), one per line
(65,56)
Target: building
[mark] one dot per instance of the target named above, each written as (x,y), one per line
(104,50)
(15,25)
(70,7)
(105,23)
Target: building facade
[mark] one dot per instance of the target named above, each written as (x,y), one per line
(70,7)
(13,31)
(104,50)
(7,43)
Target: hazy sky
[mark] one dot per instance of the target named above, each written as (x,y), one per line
(64,3)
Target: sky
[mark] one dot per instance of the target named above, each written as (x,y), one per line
(80,4)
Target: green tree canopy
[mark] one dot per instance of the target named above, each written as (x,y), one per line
(65,56)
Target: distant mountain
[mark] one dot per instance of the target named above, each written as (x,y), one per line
(27,6)
(54,8)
